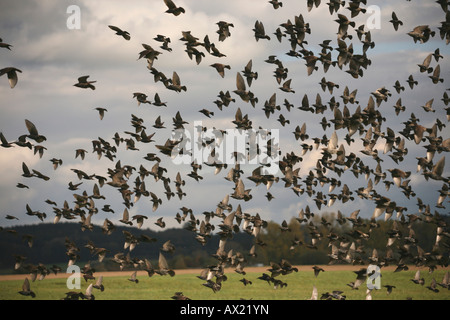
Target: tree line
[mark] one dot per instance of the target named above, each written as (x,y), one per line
(290,241)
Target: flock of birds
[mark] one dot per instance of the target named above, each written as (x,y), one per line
(401,247)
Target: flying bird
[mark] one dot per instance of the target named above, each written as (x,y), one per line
(173,8)
(84,83)
(101,112)
(26,290)
(260,33)
(395,21)
(11,73)
(33,132)
(120,32)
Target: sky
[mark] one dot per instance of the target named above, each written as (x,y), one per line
(52,55)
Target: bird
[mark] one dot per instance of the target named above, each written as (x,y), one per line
(5,45)
(4,142)
(445,281)
(241,90)
(249,74)
(224,30)
(99,284)
(412,82)
(11,73)
(139,219)
(421,33)
(437,171)
(164,267)
(84,83)
(168,247)
(395,21)
(220,67)
(259,31)
(173,8)
(417,279)
(180,296)
(160,223)
(120,32)
(101,112)
(246,281)
(176,83)
(432,286)
(428,107)
(287,86)
(33,132)
(26,290)
(317,270)
(425,65)
(125,217)
(133,277)
(276,4)
(389,288)
(313,3)
(435,78)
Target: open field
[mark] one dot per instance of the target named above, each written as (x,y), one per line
(299,287)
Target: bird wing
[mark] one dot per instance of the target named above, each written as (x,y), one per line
(176,79)
(162,262)
(83,79)
(26,285)
(115,28)
(170,4)
(31,128)
(438,169)
(240,83)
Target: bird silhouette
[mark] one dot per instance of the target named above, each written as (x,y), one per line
(173,8)
(120,32)
(84,83)
(11,73)
(26,290)
(395,21)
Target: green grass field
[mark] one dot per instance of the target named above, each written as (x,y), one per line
(299,287)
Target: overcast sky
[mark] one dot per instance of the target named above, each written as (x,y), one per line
(52,56)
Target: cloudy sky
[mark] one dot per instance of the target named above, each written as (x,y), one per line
(52,56)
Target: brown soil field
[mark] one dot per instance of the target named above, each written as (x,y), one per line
(197,271)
